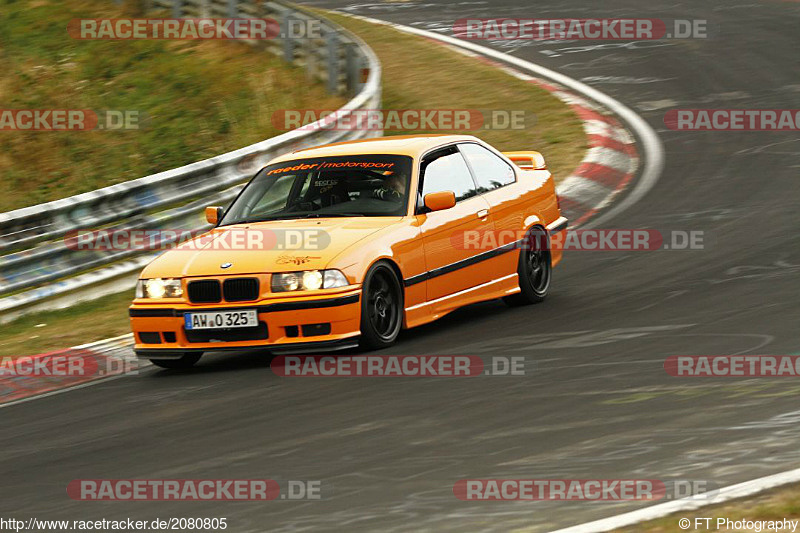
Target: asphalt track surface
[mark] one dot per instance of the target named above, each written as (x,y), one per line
(598,403)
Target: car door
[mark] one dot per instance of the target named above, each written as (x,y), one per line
(453,263)
(496,178)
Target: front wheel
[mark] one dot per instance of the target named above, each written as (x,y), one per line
(534,269)
(187,360)
(381,307)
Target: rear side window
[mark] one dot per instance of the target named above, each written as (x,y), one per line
(447,171)
(491,172)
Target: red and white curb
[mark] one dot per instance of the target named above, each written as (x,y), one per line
(610,162)
(47,374)
(609,166)
(613,156)
(607,169)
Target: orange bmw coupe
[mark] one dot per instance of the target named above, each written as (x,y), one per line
(348,243)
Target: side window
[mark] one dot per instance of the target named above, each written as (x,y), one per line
(447,171)
(491,172)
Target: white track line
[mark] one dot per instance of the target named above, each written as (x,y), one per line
(654,164)
(125,337)
(59,391)
(651,143)
(741,490)
(116,342)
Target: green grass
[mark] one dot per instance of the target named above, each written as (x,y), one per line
(199,99)
(417,75)
(85,322)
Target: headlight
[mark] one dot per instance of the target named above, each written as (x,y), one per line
(312,280)
(333,278)
(159,288)
(309,280)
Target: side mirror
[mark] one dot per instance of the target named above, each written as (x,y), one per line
(437,201)
(213,215)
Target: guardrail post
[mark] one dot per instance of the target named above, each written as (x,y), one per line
(288,41)
(332,39)
(34,230)
(362,72)
(351,66)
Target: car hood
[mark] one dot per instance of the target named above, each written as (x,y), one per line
(273,246)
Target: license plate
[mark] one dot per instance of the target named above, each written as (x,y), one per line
(245,318)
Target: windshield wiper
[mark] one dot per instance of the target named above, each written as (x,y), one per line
(263,219)
(332,215)
(296,216)
(328,215)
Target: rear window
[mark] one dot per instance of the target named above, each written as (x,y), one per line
(491,172)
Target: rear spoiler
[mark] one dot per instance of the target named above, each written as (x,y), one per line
(527,160)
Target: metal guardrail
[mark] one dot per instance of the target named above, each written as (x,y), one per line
(38,264)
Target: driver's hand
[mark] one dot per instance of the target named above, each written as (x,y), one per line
(387,194)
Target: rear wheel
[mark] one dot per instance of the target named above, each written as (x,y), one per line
(381,307)
(187,360)
(534,269)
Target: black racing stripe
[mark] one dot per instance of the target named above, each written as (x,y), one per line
(464,263)
(413,280)
(283,306)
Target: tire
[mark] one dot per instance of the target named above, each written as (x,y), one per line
(186,361)
(535,269)
(381,307)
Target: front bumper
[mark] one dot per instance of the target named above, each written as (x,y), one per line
(289,324)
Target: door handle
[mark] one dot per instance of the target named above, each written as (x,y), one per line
(483,213)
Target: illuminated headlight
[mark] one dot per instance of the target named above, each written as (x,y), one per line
(312,280)
(309,280)
(159,288)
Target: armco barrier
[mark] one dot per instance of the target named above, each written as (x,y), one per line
(325,54)
(32,237)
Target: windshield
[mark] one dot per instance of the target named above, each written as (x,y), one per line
(363,185)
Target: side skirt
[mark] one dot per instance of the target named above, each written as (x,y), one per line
(423,313)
